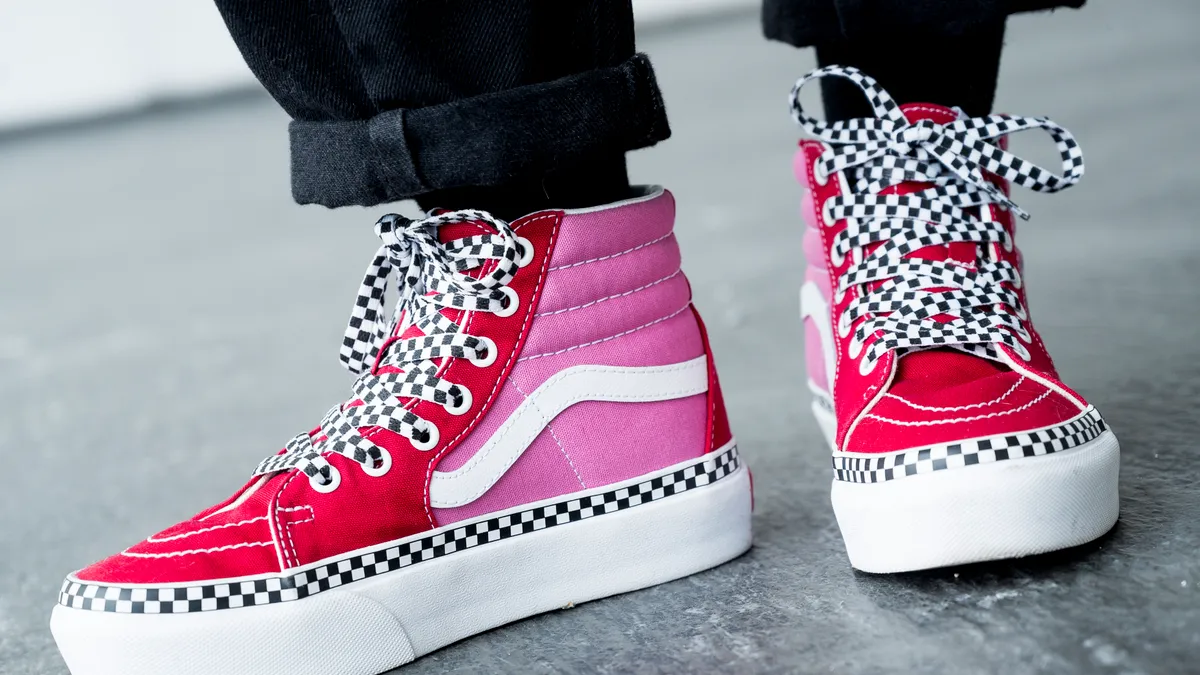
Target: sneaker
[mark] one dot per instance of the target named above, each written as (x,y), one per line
(538,425)
(954,440)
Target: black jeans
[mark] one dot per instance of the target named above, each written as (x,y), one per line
(394,99)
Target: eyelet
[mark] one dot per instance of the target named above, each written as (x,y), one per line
(867,366)
(819,174)
(513,301)
(430,442)
(827,212)
(526,248)
(1008,243)
(839,296)
(489,347)
(335,479)
(1022,351)
(385,463)
(856,347)
(836,258)
(462,408)
(844,332)
(1017,282)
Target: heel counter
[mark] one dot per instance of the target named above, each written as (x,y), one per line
(717,430)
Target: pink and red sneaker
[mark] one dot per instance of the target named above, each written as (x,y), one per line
(954,440)
(538,425)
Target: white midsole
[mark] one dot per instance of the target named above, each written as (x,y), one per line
(379,623)
(1005,509)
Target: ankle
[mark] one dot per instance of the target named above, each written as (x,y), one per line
(964,74)
(598,182)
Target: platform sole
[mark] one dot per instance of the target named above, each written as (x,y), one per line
(378,623)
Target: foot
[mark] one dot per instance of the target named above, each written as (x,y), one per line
(538,425)
(954,440)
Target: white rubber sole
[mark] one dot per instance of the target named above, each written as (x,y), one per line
(379,623)
(979,513)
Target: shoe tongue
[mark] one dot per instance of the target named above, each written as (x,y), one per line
(446,234)
(959,252)
(941,367)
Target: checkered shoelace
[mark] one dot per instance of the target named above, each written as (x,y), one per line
(899,297)
(431,276)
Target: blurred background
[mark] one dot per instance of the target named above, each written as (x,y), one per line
(63,60)
(168,317)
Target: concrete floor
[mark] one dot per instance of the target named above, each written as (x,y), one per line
(168,316)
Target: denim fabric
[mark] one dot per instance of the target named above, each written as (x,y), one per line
(807,23)
(394,99)
(399,98)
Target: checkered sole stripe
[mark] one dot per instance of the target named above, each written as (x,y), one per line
(864,469)
(233,594)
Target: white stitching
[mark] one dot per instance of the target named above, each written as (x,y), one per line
(557,218)
(612,255)
(285,561)
(959,407)
(611,337)
(509,423)
(177,554)
(491,480)
(193,533)
(549,428)
(288,529)
(612,297)
(961,419)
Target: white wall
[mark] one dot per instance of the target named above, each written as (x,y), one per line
(72,59)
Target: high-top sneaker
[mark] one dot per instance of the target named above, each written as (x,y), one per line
(539,424)
(954,440)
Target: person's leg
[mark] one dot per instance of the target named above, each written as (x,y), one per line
(508,105)
(918,50)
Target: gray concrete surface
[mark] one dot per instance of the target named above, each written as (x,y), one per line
(167,316)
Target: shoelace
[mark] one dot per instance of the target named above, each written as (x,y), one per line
(880,152)
(431,276)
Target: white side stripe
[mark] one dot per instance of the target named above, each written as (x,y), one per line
(814,306)
(568,387)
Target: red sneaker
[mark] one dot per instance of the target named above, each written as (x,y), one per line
(954,439)
(540,426)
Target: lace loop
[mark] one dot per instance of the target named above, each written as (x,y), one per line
(908,304)
(396,372)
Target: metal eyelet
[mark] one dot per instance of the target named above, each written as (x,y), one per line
(819,174)
(464,398)
(526,249)
(335,479)
(489,348)
(431,438)
(385,463)
(513,301)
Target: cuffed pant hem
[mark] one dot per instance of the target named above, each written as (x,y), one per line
(486,140)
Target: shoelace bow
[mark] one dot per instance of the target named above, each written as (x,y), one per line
(884,151)
(431,276)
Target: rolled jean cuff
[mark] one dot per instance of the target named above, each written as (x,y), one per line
(808,23)
(487,140)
